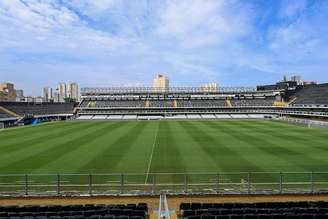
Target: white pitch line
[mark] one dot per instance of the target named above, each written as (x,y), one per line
(151,155)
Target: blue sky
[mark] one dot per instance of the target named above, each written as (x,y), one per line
(126,42)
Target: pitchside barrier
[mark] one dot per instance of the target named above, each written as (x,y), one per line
(170,183)
(305,122)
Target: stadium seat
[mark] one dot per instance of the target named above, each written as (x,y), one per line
(130,211)
(273,210)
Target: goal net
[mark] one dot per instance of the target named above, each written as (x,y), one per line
(2,126)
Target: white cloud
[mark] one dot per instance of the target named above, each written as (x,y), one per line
(302,38)
(93,7)
(204,22)
(49,27)
(291,8)
(122,41)
(36,15)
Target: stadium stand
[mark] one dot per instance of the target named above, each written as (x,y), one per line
(7,118)
(4,115)
(115,103)
(192,103)
(316,95)
(202,103)
(25,113)
(253,102)
(88,211)
(22,108)
(270,210)
(161,103)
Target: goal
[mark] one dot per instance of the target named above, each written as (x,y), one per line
(2,126)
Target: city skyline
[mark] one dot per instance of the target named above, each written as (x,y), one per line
(124,43)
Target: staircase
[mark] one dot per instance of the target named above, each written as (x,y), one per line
(175,104)
(9,112)
(163,208)
(147,104)
(21,120)
(279,104)
(292,101)
(228,102)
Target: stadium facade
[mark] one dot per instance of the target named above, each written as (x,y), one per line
(197,103)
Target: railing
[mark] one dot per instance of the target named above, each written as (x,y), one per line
(135,90)
(306,122)
(155,183)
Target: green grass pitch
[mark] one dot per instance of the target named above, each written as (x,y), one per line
(163,147)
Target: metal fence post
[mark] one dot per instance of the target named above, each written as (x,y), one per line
(312,183)
(280,183)
(26,184)
(249,183)
(185,182)
(90,184)
(122,183)
(58,184)
(218,183)
(154,183)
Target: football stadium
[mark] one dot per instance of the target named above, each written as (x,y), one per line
(163,109)
(149,142)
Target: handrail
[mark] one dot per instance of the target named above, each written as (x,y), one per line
(176,183)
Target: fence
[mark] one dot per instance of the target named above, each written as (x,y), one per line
(171,183)
(305,122)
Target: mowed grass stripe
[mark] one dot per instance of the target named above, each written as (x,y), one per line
(303,136)
(289,148)
(194,157)
(15,150)
(46,152)
(247,146)
(167,157)
(296,142)
(23,129)
(219,151)
(182,146)
(294,128)
(81,148)
(112,153)
(135,159)
(32,136)
(150,157)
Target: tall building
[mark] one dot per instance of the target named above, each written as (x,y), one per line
(74,91)
(20,96)
(7,92)
(56,96)
(62,91)
(47,94)
(285,78)
(297,78)
(67,91)
(19,93)
(212,86)
(161,83)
